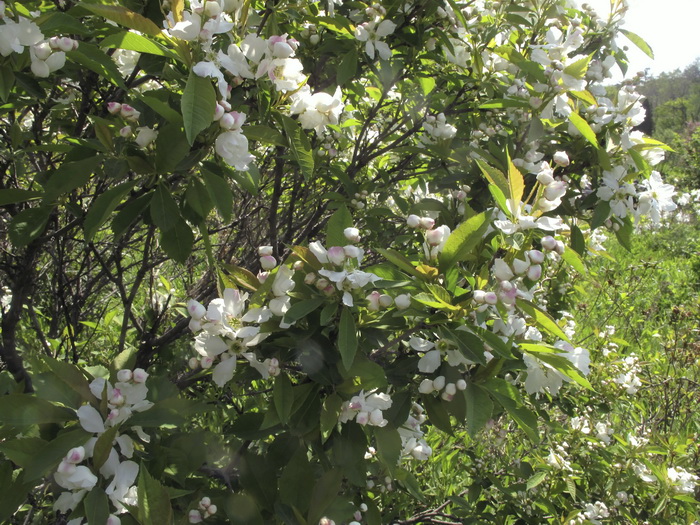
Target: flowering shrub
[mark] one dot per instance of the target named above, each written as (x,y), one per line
(342,218)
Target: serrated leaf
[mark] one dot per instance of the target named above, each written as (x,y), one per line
(400,260)
(324,492)
(101,208)
(584,128)
(283,397)
(437,413)
(574,260)
(347,67)
(495,177)
(125,17)
(103,446)
(542,319)
(220,193)
(153,500)
(479,408)
(639,42)
(536,479)
(463,240)
(624,234)
(197,105)
(347,338)
(97,506)
(340,220)
(302,309)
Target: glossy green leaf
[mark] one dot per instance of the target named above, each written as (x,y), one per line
(197,105)
(584,128)
(135,42)
(220,192)
(347,68)
(302,309)
(388,446)
(153,500)
(638,41)
(47,458)
(347,338)
(461,242)
(164,211)
(574,260)
(299,143)
(495,177)
(124,17)
(324,492)
(283,397)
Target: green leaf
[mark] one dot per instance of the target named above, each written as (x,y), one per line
(302,309)
(164,211)
(220,193)
(97,506)
(25,409)
(93,58)
(536,479)
(584,128)
(600,214)
(72,376)
(542,319)
(171,147)
(125,17)
(49,456)
(153,500)
(585,96)
(70,176)
(103,446)
(578,69)
(437,413)
(340,220)
(197,105)
(388,446)
(101,208)
(135,42)
(479,408)
(502,103)
(401,261)
(500,199)
(22,451)
(516,184)
(509,398)
(427,84)
(639,42)
(330,414)
(28,224)
(283,397)
(325,491)
(624,234)
(14,491)
(559,362)
(495,177)
(347,67)
(7,81)
(574,260)
(241,509)
(16,195)
(463,240)
(299,143)
(347,338)
(266,134)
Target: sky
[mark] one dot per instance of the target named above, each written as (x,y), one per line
(670,27)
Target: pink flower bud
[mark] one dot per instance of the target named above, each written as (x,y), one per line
(204,503)
(373,301)
(490,298)
(559,248)
(549,242)
(124,376)
(113,520)
(427,223)
(262,276)
(219,112)
(362,418)
(352,234)
(196,309)
(75,455)
(126,132)
(535,256)
(140,375)
(268,262)
(434,237)
(129,113)
(336,255)
(534,272)
(413,221)
(447,397)
(113,107)
(226,121)
(206,362)
(195,516)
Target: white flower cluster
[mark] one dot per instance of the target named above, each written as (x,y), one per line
(225,331)
(318,110)
(342,268)
(372,33)
(144,135)
(438,128)
(435,238)
(204,510)
(413,443)
(46,56)
(628,377)
(366,409)
(543,377)
(128,395)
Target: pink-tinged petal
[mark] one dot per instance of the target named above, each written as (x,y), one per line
(223,372)
(90,419)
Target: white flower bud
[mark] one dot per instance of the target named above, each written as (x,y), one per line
(536,256)
(139,375)
(427,223)
(195,516)
(559,248)
(42,50)
(520,266)
(534,272)
(490,298)
(40,68)
(126,132)
(314,39)
(352,234)
(268,262)
(219,112)
(561,158)
(461,384)
(212,9)
(435,237)
(310,278)
(264,250)
(376,418)
(336,255)
(373,301)
(204,503)
(426,386)
(113,107)
(439,382)
(362,418)
(193,363)
(385,300)
(402,301)
(451,389)
(549,242)
(353,252)
(413,221)
(124,376)
(206,362)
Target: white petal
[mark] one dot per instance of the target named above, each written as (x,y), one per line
(90,419)
(223,372)
(429,362)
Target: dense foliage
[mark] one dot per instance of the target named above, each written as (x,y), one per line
(254,251)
